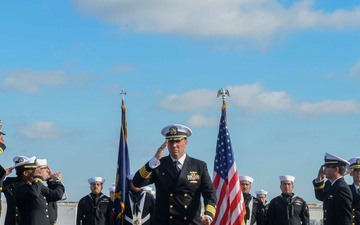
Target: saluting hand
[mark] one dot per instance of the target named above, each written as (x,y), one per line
(321,174)
(9,170)
(56,176)
(160,150)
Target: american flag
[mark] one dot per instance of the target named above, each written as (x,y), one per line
(230,204)
(123,170)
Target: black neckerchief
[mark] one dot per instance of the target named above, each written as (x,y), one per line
(289,199)
(95,203)
(136,198)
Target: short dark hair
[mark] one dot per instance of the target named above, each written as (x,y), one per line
(20,171)
(342,170)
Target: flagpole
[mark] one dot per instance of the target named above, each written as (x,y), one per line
(230,204)
(123,167)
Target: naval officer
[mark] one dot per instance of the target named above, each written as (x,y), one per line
(10,184)
(334,192)
(32,205)
(354,187)
(180,181)
(54,190)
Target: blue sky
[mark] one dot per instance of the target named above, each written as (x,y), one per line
(292,69)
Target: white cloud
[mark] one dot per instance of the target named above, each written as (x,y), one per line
(192,100)
(254,98)
(31,81)
(199,120)
(329,107)
(355,70)
(40,130)
(259,19)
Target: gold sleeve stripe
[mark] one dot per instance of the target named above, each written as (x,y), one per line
(320,187)
(211,209)
(38,180)
(1,150)
(144,173)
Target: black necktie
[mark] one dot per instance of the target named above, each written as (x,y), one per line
(176,164)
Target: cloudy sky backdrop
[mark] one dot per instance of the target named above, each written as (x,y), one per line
(292,69)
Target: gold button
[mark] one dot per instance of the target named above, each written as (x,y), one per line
(185,218)
(185,206)
(171,195)
(170,217)
(185,195)
(171,206)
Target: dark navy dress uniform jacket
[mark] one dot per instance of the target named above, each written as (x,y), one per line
(178,197)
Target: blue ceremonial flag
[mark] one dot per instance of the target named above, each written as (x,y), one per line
(123,170)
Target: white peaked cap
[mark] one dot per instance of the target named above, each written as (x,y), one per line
(261,192)
(147,188)
(112,189)
(41,162)
(96,179)
(29,161)
(287,177)
(246,178)
(353,160)
(176,132)
(331,159)
(20,158)
(354,163)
